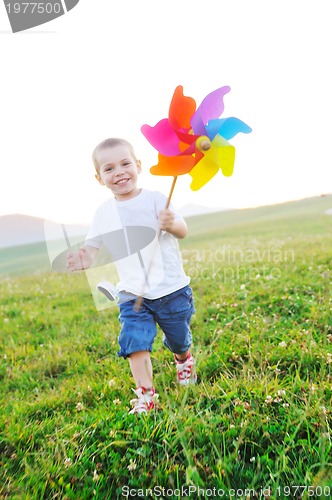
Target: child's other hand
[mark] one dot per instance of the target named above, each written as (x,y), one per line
(166,219)
(76,261)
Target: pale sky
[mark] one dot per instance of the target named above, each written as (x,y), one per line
(106,68)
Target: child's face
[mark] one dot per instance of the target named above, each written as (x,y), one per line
(118,171)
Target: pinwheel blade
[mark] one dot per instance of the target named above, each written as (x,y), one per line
(226,127)
(202,173)
(221,155)
(225,155)
(162,137)
(181,110)
(173,165)
(211,108)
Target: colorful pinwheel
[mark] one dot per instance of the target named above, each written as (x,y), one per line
(195,141)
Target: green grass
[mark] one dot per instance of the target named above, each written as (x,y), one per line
(260,415)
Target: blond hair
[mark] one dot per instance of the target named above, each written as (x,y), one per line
(111,143)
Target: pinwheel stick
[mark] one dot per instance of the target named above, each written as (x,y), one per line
(171,191)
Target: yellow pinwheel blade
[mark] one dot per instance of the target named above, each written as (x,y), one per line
(225,154)
(221,155)
(202,173)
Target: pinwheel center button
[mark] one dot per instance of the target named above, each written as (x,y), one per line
(203,143)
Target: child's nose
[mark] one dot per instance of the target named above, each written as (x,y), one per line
(118,170)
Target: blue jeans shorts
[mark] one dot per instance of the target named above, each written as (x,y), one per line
(171,312)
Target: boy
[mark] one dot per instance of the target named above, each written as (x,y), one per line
(167,299)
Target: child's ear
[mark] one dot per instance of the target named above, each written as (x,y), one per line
(99,179)
(139,166)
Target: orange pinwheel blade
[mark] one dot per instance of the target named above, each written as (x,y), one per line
(173,165)
(181,110)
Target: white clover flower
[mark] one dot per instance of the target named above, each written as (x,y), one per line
(282,344)
(67,462)
(79,406)
(268,399)
(116,402)
(132,465)
(111,383)
(281,392)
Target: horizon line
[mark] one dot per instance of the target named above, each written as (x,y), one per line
(215,209)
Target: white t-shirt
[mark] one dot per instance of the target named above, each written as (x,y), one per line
(148,260)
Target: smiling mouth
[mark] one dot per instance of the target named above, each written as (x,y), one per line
(122,181)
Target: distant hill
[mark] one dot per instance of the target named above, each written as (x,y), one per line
(18,229)
(298,215)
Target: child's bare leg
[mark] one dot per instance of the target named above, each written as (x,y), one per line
(141,368)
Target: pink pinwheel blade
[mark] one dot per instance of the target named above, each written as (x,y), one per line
(162,137)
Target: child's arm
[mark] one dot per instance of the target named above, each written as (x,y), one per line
(76,261)
(177,228)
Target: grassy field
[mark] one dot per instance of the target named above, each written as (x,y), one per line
(256,425)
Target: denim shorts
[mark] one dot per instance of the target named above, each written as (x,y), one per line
(171,312)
